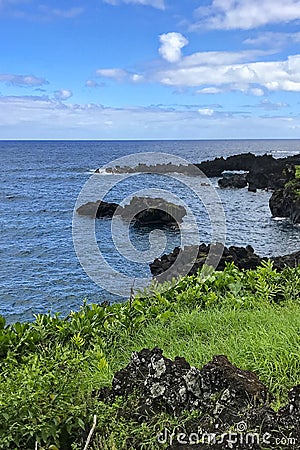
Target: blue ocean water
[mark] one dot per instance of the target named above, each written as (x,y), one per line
(40,183)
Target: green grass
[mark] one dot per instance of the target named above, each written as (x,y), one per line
(50,369)
(265,341)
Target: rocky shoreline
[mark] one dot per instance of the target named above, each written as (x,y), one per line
(242,257)
(281,175)
(285,202)
(262,171)
(241,171)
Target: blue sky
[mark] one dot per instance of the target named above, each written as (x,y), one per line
(149,69)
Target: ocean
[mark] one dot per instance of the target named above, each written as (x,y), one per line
(40,184)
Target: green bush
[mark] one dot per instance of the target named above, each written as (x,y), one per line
(51,369)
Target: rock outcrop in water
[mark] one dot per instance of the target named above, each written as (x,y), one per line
(188,169)
(285,202)
(98,209)
(263,171)
(143,211)
(235,180)
(248,162)
(242,257)
(231,403)
(148,211)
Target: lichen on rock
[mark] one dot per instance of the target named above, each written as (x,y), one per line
(224,396)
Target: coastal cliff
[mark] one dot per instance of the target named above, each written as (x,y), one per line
(285,202)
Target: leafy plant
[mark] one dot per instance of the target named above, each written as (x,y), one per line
(50,369)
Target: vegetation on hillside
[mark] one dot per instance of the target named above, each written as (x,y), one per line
(52,369)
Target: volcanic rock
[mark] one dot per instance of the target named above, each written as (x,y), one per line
(242,257)
(238,181)
(233,405)
(97,209)
(142,211)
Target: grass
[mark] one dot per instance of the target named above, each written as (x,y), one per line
(50,369)
(265,341)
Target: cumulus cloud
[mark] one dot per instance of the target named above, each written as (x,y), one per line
(158,4)
(22,80)
(63,94)
(247,14)
(271,75)
(171,45)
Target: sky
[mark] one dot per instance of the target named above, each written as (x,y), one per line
(149,69)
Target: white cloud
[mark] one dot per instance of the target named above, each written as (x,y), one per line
(91,83)
(43,118)
(272,75)
(209,90)
(257,92)
(247,14)
(116,74)
(22,80)
(171,45)
(63,94)
(206,111)
(267,105)
(136,78)
(273,39)
(119,75)
(221,58)
(159,4)
(270,106)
